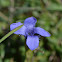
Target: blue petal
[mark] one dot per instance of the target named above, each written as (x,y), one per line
(30,22)
(32,42)
(42,32)
(21,31)
(14,25)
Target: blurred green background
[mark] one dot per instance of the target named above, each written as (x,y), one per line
(49,16)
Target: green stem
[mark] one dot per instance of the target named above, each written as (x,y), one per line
(11,32)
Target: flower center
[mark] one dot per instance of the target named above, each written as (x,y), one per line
(30,32)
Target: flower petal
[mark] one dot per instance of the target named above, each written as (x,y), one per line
(14,25)
(42,32)
(32,42)
(21,31)
(30,22)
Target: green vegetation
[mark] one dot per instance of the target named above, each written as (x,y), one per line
(49,16)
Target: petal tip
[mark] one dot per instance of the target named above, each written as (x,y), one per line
(34,18)
(48,35)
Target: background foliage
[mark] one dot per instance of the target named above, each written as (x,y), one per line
(49,16)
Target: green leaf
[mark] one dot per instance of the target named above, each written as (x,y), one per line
(11,32)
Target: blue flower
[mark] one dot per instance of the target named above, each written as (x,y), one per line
(29,30)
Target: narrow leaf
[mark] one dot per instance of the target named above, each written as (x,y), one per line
(11,32)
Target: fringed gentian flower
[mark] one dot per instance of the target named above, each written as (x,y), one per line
(29,30)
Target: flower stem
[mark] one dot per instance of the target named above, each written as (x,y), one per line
(11,32)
